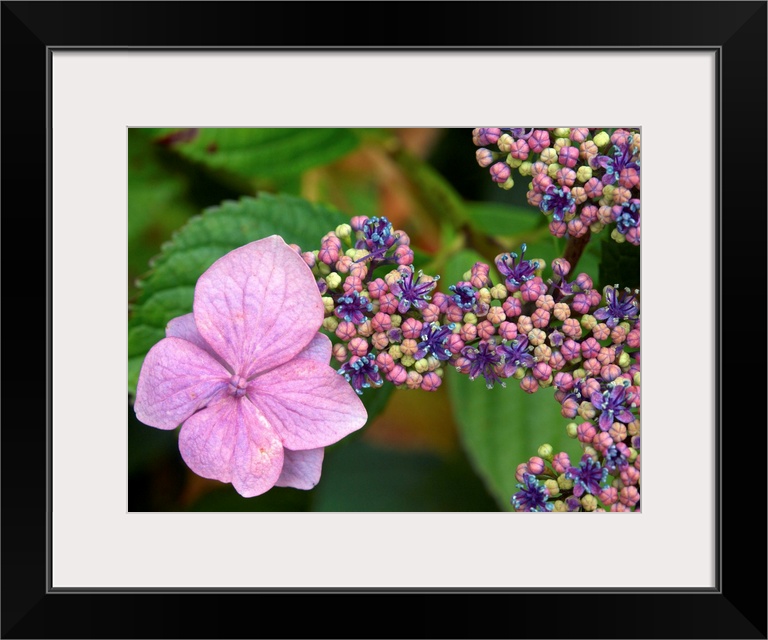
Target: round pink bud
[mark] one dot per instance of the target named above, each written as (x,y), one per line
(522,469)
(610,372)
(454,313)
(379,340)
(607,355)
(538,140)
(579,135)
(346,331)
(388,303)
(339,352)
(397,375)
(542,371)
(524,324)
(586,432)
(591,366)
(468,332)
(561,462)
(619,334)
(532,289)
(545,302)
(500,171)
(409,346)
(571,328)
(588,214)
(485,135)
(618,507)
(485,330)
(385,361)
(633,339)
(484,157)
(564,381)
(512,307)
(593,188)
(608,495)
(462,364)
(537,337)
(561,311)
(508,330)
(358,347)
(529,384)
(413,380)
(620,137)
(381,322)
(576,228)
(352,283)
(566,178)
(454,343)
(579,195)
(365,329)
(558,228)
(295,247)
(629,178)
(402,238)
(568,157)
(570,408)
(536,465)
(605,215)
(539,167)
(519,150)
(358,222)
(496,315)
(542,352)
(377,288)
(540,318)
(630,476)
(602,441)
(590,348)
(534,198)
(618,431)
(441,301)
(541,182)
(621,195)
(588,149)
(580,303)
(328,254)
(571,350)
(629,496)
(403,255)
(557,361)
(633,236)
(309,258)
(430,313)
(431,381)
(601,331)
(343,264)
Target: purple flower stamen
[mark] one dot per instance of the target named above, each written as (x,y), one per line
(621,306)
(352,308)
(411,293)
(516,272)
(516,353)
(362,373)
(613,405)
(484,360)
(559,201)
(613,165)
(433,337)
(587,477)
(533,496)
(464,295)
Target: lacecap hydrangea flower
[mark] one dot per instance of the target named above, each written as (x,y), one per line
(247,374)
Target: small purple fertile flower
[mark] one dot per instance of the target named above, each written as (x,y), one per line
(377,233)
(521,133)
(627,215)
(516,355)
(361,373)
(533,496)
(410,293)
(614,164)
(433,341)
(482,136)
(559,201)
(621,306)
(516,273)
(464,295)
(612,404)
(483,360)
(247,374)
(587,477)
(352,308)
(614,458)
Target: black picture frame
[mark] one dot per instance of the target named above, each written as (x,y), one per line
(736,608)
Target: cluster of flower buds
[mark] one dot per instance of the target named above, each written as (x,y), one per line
(606,478)
(583,179)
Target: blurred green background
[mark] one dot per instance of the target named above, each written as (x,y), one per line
(455,449)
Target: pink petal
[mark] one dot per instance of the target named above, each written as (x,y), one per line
(177,378)
(258,306)
(301,469)
(184,327)
(308,403)
(231,441)
(318,349)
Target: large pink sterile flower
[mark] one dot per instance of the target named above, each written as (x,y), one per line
(247,374)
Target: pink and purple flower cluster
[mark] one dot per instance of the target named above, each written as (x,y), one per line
(583,179)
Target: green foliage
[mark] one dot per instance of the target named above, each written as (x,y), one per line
(262,152)
(168,290)
(620,264)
